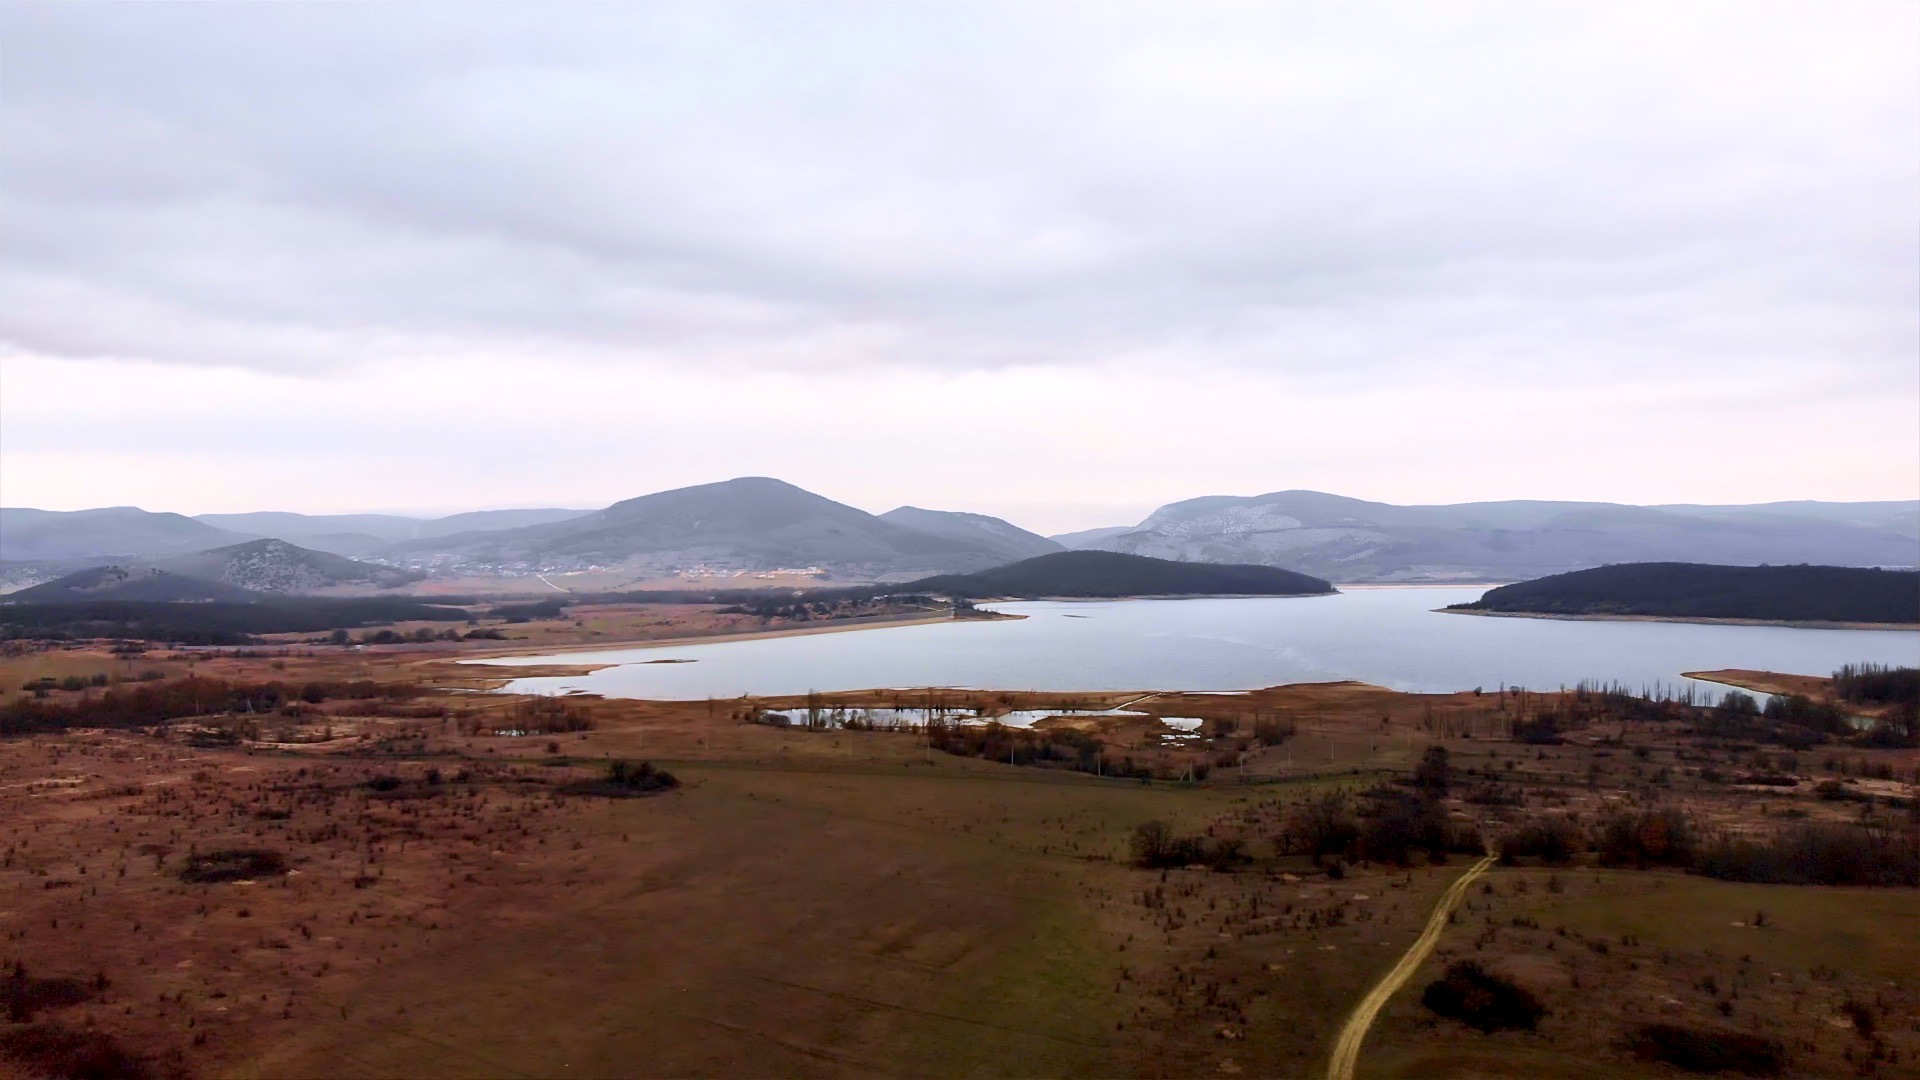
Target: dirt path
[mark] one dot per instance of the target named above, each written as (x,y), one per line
(1346,1050)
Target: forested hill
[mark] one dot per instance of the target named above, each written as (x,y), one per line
(1695,590)
(1109,573)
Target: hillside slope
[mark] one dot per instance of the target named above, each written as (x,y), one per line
(1353,540)
(1002,536)
(751,522)
(275,566)
(1693,590)
(141,583)
(1106,573)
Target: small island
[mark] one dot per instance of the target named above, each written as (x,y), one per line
(1697,592)
(1110,574)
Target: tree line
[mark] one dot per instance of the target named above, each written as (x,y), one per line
(153,704)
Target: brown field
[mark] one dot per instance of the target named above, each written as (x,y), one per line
(583,626)
(834,902)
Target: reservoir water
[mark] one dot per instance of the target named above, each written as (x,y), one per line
(1390,637)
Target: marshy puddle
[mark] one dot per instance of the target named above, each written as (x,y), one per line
(880,719)
(895,719)
(1026,718)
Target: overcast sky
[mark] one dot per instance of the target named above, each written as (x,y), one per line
(1056,263)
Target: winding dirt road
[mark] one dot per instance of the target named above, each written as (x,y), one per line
(1346,1050)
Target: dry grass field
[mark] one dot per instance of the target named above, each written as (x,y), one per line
(378,886)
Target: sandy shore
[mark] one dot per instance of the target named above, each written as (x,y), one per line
(1356,586)
(1762,682)
(841,626)
(1810,625)
(1149,596)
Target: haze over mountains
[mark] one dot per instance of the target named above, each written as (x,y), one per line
(758,523)
(1346,539)
(239,572)
(361,534)
(28,535)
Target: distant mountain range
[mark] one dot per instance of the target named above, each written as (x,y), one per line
(364,534)
(110,532)
(1352,540)
(1007,539)
(757,523)
(239,572)
(28,535)
(752,522)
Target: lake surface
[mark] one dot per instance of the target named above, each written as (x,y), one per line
(1390,637)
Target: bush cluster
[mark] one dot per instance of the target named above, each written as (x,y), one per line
(1807,854)
(1551,838)
(1396,824)
(233,864)
(153,703)
(1155,846)
(1478,998)
(1709,1050)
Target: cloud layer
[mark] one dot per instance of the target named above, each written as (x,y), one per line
(1175,250)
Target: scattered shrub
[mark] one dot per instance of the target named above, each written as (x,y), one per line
(1434,774)
(1861,1016)
(1877,684)
(52,1050)
(1155,846)
(1709,1049)
(519,613)
(631,778)
(1817,854)
(1320,826)
(233,864)
(1404,824)
(1054,748)
(1478,998)
(1272,730)
(1542,730)
(147,705)
(22,995)
(1550,838)
(1653,838)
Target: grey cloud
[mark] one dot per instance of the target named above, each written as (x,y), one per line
(1332,191)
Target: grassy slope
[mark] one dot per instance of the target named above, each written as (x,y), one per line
(917,934)
(1684,929)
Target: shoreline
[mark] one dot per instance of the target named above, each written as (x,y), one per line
(1770,683)
(709,639)
(1150,596)
(1344,586)
(1790,624)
